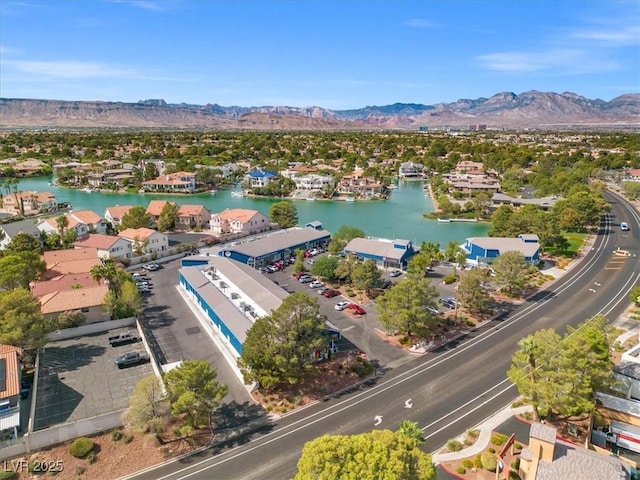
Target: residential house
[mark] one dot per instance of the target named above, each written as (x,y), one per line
(544,203)
(313,182)
(161,165)
(632,175)
(192,216)
(108,246)
(469,167)
(360,186)
(119,177)
(179,182)
(145,240)
(154,209)
(71,261)
(484,250)
(10,388)
(115,213)
(10,230)
(411,170)
(386,253)
(82,222)
(239,221)
(468,184)
(30,167)
(260,178)
(88,300)
(547,458)
(94,222)
(72,281)
(30,202)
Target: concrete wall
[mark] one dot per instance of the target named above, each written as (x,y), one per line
(91,329)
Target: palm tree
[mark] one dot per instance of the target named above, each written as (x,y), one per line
(62,222)
(97,272)
(139,246)
(412,430)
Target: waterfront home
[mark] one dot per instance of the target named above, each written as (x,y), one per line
(313,182)
(119,177)
(155,207)
(192,216)
(10,230)
(31,166)
(545,203)
(115,213)
(179,182)
(361,186)
(259,178)
(145,241)
(10,401)
(386,253)
(469,167)
(161,165)
(107,246)
(95,222)
(30,203)
(239,221)
(82,222)
(483,250)
(467,184)
(411,170)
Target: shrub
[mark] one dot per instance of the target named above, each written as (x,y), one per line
(473,433)
(450,278)
(91,457)
(404,341)
(79,470)
(461,470)
(126,438)
(499,439)
(515,465)
(8,475)
(467,463)
(477,462)
(489,461)
(470,323)
(349,292)
(116,435)
(81,447)
(454,445)
(492,450)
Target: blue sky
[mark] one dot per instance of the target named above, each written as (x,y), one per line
(333,54)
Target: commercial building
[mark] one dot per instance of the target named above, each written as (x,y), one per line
(277,245)
(386,253)
(487,249)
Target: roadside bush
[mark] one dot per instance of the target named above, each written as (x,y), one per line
(489,461)
(499,439)
(91,457)
(450,278)
(349,292)
(473,433)
(466,463)
(461,470)
(126,438)
(8,475)
(454,445)
(470,323)
(404,341)
(492,450)
(81,447)
(517,446)
(477,462)
(116,435)
(79,470)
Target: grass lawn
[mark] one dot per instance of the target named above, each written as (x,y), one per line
(576,240)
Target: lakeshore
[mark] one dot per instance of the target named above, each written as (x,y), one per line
(400,216)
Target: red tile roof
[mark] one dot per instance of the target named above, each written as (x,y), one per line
(11,356)
(100,242)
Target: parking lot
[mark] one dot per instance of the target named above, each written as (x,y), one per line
(78,378)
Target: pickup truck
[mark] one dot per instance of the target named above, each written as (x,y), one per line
(123,339)
(132,358)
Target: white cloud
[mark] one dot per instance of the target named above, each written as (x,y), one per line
(71,69)
(554,61)
(420,23)
(4,50)
(612,37)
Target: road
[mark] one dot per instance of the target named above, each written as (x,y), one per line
(448,391)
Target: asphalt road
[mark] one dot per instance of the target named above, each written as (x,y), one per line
(448,391)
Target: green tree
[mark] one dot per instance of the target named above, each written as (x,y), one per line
(451,251)
(23,242)
(325,267)
(380,454)
(168,217)
(194,391)
(420,263)
(472,293)
(136,217)
(52,241)
(279,348)
(345,268)
(404,307)
(412,430)
(634,295)
(344,235)
(70,319)
(150,171)
(139,246)
(148,406)
(21,322)
(298,266)
(285,214)
(62,222)
(513,270)
(365,275)
(69,238)
(18,270)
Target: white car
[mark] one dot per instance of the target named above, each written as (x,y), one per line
(395,273)
(151,267)
(341,306)
(316,284)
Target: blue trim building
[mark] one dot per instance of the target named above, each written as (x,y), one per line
(386,253)
(487,249)
(277,246)
(260,178)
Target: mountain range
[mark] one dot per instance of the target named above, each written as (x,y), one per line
(531,109)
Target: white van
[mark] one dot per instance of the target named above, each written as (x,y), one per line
(624,227)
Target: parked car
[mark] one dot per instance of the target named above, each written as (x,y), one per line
(123,339)
(311,261)
(395,273)
(316,284)
(341,306)
(152,267)
(132,358)
(330,293)
(139,276)
(433,310)
(307,279)
(356,309)
(322,290)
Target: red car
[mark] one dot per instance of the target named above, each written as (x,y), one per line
(359,311)
(331,293)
